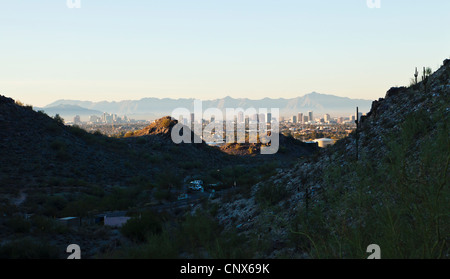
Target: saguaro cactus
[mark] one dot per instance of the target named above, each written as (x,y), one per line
(426,74)
(416,74)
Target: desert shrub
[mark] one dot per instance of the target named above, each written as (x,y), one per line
(141,140)
(45,224)
(78,131)
(198,230)
(58,119)
(18,224)
(53,205)
(58,145)
(61,150)
(97,133)
(269,194)
(129,134)
(119,199)
(229,246)
(191,164)
(283,149)
(7,208)
(81,206)
(28,249)
(167,179)
(142,182)
(139,228)
(154,158)
(268,169)
(161,194)
(165,123)
(400,202)
(156,246)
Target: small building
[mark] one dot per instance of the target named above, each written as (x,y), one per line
(112,219)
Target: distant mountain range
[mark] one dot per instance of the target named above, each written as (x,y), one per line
(69,111)
(152,108)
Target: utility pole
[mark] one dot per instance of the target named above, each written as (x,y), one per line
(357,122)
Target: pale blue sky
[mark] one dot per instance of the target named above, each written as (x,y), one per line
(208,49)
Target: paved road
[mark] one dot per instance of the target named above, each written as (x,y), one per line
(193,198)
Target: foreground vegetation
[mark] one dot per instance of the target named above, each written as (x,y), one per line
(401,203)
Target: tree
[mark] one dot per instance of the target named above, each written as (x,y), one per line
(59,119)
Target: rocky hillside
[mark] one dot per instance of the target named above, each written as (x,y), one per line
(163,128)
(38,151)
(51,171)
(289,149)
(35,147)
(394,194)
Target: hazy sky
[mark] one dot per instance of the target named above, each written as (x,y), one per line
(208,49)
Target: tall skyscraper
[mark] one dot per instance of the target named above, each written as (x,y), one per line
(294,119)
(261,118)
(300,117)
(310,116)
(77,119)
(269,117)
(241,117)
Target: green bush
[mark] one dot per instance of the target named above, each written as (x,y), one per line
(141,140)
(59,119)
(18,224)
(28,249)
(58,145)
(269,194)
(198,231)
(401,202)
(45,224)
(139,228)
(161,194)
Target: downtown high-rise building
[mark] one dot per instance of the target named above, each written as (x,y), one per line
(300,117)
(310,116)
(241,117)
(261,118)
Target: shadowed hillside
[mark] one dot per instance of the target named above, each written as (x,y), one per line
(49,171)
